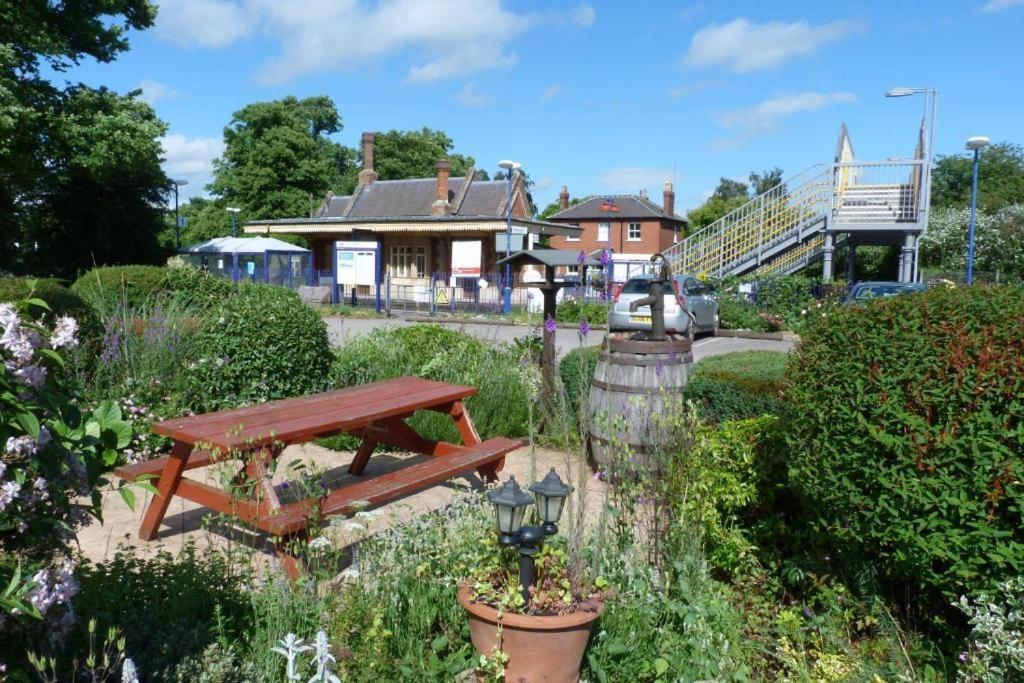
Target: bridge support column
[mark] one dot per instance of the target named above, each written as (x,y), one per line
(828,252)
(851,259)
(906,273)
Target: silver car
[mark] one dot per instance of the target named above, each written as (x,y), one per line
(687,300)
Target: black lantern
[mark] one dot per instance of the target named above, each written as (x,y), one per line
(510,503)
(550,494)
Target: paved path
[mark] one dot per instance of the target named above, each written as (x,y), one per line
(565,339)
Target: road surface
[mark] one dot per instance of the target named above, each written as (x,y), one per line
(565,339)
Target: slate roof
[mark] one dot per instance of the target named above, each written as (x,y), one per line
(548,257)
(630,206)
(414,197)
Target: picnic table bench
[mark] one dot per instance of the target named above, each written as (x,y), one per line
(257,434)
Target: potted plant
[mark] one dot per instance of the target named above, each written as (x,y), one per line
(534,621)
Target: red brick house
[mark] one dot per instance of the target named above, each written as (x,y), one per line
(631,227)
(419,222)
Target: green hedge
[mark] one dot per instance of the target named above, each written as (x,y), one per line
(196,288)
(135,286)
(908,437)
(262,343)
(573,310)
(504,375)
(739,385)
(576,370)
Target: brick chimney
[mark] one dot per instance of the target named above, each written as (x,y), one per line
(441,206)
(367,175)
(668,203)
(563,198)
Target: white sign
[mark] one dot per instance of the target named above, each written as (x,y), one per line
(482,283)
(518,230)
(466,256)
(357,263)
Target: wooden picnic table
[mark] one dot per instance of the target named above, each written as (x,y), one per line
(257,434)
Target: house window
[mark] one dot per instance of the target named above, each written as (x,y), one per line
(602,231)
(634,232)
(570,238)
(408,261)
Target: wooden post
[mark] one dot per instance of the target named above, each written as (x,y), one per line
(548,364)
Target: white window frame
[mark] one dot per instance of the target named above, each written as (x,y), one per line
(607,227)
(570,238)
(406,260)
(639,232)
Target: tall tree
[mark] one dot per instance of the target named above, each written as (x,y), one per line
(400,154)
(278,158)
(1000,178)
(57,144)
(764,181)
(730,189)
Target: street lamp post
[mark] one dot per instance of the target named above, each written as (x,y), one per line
(926,185)
(234,211)
(511,167)
(177,219)
(974,144)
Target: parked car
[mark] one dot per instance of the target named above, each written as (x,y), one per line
(865,291)
(688,302)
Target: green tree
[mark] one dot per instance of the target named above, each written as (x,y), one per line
(713,209)
(1000,178)
(730,189)
(61,146)
(554,207)
(278,159)
(764,181)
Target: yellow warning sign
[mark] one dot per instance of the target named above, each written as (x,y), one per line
(441,297)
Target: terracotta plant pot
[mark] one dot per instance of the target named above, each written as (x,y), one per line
(539,649)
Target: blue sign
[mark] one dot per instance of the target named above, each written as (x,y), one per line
(250,267)
(182,221)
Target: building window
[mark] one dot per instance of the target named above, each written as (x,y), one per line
(634,232)
(407,261)
(602,231)
(570,238)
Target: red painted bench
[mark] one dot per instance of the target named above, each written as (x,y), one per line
(375,412)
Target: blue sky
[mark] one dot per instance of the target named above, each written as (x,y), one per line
(601,96)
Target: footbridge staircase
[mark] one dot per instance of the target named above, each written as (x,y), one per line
(805,218)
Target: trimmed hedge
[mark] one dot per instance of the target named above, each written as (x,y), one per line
(739,385)
(908,437)
(262,343)
(135,286)
(576,370)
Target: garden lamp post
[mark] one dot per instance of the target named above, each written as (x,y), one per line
(511,167)
(975,144)
(177,218)
(926,184)
(234,211)
(510,504)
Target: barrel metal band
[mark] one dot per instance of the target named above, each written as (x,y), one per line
(679,359)
(622,388)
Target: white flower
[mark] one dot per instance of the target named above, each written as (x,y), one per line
(7,316)
(8,492)
(65,333)
(129,674)
(323,659)
(319,542)
(291,647)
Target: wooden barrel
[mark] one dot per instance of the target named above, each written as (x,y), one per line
(633,381)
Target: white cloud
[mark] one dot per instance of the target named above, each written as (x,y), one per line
(695,88)
(203,23)
(743,46)
(191,158)
(154,91)
(999,5)
(438,38)
(551,92)
(634,178)
(470,97)
(767,115)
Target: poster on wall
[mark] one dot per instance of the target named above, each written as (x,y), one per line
(356,263)
(466,257)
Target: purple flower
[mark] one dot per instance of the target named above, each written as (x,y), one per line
(606,257)
(529,296)
(807,612)
(584,328)
(582,257)
(659,368)
(550,325)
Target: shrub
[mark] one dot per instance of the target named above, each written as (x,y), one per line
(105,287)
(577,370)
(503,375)
(261,344)
(740,314)
(61,300)
(573,310)
(995,647)
(197,289)
(739,385)
(907,431)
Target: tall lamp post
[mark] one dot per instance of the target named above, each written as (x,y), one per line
(178,182)
(926,185)
(511,167)
(975,144)
(234,211)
